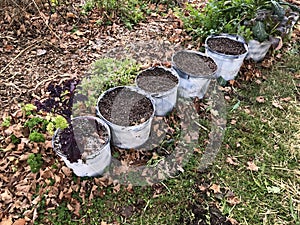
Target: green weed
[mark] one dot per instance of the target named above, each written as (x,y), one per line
(35,162)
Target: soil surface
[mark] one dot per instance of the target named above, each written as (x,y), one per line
(156,80)
(226,46)
(125,107)
(194,64)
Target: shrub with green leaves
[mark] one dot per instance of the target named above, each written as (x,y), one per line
(35,162)
(218,17)
(106,73)
(252,19)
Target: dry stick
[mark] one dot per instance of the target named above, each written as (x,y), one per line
(45,19)
(17,56)
(49,79)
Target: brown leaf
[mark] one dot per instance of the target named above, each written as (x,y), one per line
(233,200)
(48,144)
(260,99)
(215,188)
(6,197)
(233,221)
(6,221)
(277,105)
(71,15)
(9,147)
(251,166)
(20,222)
(117,188)
(232,161)
(67,171)
(287,99)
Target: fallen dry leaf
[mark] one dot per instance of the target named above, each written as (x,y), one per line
(287,99)
(277,105)
(232,161)
(20,222)
(251,166)
(233,221)
(6,221)
(233,200)
(260,99)
(215,188)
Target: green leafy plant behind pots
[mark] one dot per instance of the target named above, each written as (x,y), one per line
(252,19)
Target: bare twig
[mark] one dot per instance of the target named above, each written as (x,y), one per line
(45,19)
(17,56)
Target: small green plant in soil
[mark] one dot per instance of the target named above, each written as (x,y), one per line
(36,137)
(35,162)
(28,109)
(6,122)
(14,139)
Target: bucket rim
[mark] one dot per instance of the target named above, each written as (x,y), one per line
(234,37)
(187,75)
(132,88)
(163,93)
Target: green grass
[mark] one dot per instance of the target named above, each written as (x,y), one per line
(261,133)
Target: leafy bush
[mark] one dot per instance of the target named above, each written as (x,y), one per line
(35,162)
(218,17)
(106,73)
(252,19)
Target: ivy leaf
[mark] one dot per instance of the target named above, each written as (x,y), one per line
(259,31)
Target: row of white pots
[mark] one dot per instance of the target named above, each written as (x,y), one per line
(128,137)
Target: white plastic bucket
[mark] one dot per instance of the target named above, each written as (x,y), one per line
(128,136)
(228,65)
(93,164)
(191,85)
(258,50)
(164,101)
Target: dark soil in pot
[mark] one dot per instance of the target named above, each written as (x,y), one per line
(129,107)
(83,138)
(194,64)
(226,46)
(156,80)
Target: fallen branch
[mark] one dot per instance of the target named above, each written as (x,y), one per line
(45,20)
(17,56)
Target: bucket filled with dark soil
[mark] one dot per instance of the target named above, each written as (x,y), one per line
(229,52)
(129,112)
(195,70)
(84,146)
(161,83)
